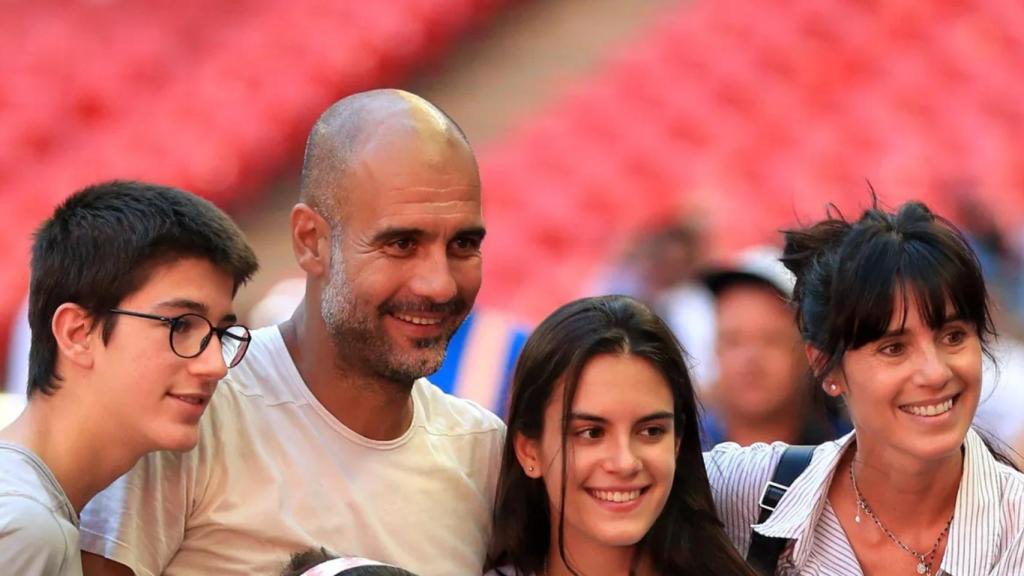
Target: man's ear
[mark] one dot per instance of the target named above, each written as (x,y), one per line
(528,454)
(311,239)
(73,330)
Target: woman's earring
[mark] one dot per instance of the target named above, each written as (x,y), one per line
(529,469)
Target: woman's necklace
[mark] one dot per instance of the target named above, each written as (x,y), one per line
(924,561)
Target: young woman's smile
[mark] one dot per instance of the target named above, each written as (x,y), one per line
(621,453)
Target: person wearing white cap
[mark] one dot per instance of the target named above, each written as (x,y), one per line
(762,392)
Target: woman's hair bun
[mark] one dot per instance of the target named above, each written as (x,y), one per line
(804,247)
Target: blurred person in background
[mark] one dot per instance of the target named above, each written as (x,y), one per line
(762,393)
(16,367)
(131,308)
(1001,409)
(661,270)
(999,412)
(14,393)
(328,434)
(1001,264)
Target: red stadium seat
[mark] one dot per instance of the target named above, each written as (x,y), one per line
(215,97)
(762,113)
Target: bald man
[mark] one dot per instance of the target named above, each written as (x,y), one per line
(328,435)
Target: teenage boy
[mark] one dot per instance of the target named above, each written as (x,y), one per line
(130,306)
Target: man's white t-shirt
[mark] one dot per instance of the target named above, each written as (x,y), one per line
(275,473)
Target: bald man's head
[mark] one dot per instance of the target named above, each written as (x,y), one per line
(364,121)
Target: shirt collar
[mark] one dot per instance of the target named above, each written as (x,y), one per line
(977,509)
(977,513)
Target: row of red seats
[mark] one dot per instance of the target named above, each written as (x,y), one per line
(212,97)
(760,113)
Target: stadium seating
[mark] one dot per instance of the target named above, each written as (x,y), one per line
(213,97)
(758,113)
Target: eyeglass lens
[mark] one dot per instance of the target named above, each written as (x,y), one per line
(191,333)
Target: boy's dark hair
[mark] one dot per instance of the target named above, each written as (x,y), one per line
(102,244)
(303,561)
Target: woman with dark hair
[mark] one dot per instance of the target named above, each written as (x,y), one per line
(602,472)
(895,318)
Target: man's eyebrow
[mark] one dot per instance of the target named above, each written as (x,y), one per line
(478,232)
(395,232)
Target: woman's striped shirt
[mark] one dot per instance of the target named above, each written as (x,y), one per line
(985,538)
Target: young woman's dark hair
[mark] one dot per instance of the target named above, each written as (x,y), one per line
(687,537)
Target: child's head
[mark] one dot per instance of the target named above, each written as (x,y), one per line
(320,562)
(123,276)
(603,444)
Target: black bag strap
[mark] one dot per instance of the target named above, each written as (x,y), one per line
(764,552)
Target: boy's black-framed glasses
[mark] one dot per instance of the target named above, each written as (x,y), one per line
(191,333)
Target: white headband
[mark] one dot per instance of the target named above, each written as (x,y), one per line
(337,565)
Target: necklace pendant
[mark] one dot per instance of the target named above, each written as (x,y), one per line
(857,517)
(922,568)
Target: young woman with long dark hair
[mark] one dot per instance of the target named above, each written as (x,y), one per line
(602,473)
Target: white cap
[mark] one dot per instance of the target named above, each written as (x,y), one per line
(759,264)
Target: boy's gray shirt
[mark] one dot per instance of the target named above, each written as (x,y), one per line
(38,525)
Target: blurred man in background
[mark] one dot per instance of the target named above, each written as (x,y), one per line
(762,393)
(661,268)
(328,435)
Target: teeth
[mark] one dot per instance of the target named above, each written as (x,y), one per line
(190,399)
(417,320)
(609,496)
(932,410)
